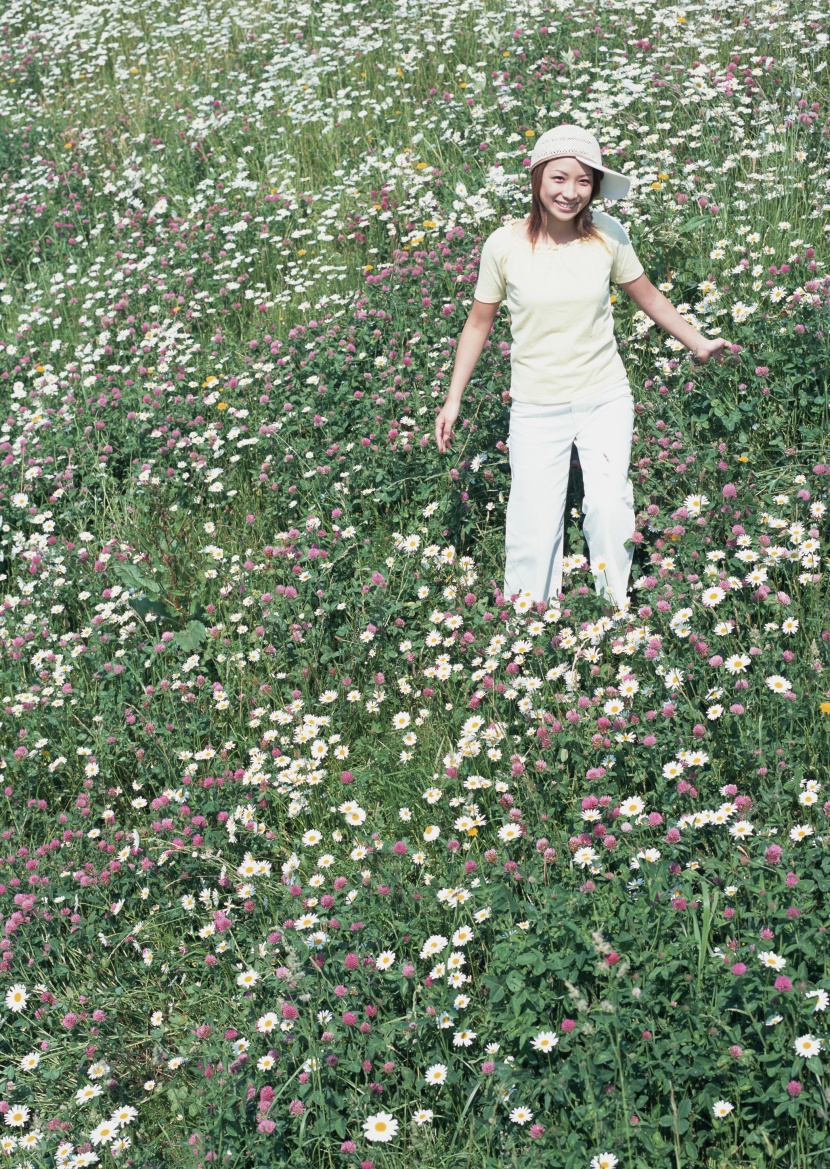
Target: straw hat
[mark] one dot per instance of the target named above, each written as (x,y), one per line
(575,142)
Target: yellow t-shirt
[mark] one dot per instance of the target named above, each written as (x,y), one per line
(560,308)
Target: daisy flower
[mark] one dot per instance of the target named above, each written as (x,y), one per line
(521,1115)
(772,960)
(632,806)
(604,1161)
(712,596)
(680,617)
(385,959)
(380,1127)
(584,857)
(433,945)
(16,997)
(778,685)
(545,1041)
(103,1133)
(423,1116)
(126,1114)
(806,1046)
(436,1074)
(88,1092)
(305,922)
(16,1115)
(722,1108)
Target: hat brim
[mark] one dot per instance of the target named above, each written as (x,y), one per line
(613,185)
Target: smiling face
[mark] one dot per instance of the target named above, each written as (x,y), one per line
(565,189)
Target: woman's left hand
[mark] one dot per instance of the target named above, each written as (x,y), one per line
(710,348)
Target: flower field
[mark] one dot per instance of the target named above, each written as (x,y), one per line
(316,850)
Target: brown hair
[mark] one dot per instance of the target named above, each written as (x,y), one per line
(584,220)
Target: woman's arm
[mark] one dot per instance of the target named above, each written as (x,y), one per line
(470,344)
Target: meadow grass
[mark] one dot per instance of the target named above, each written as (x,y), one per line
(316,849)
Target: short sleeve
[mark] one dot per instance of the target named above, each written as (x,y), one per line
(491,287)
(625,265)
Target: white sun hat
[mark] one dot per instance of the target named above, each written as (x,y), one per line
(567,141)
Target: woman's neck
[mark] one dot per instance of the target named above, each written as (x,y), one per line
(563,239)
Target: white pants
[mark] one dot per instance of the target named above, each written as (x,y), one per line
(540,456)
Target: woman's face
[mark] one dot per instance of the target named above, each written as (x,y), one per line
(565,188)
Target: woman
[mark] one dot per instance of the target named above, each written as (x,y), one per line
(568,383)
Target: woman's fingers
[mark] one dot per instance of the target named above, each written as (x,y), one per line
(443,433)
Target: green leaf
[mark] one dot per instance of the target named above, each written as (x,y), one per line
(191,637)
(515,981)
(134,578)
(145,605)
(692,223)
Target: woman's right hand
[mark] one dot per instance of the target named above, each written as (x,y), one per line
(444,424)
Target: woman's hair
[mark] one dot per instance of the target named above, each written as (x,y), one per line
(583,221)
